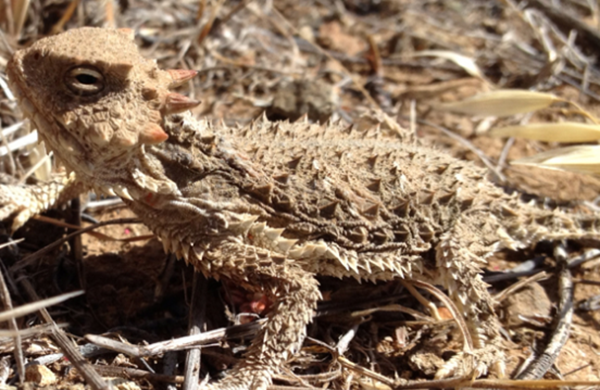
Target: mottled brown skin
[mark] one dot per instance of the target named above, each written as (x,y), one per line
(270,205)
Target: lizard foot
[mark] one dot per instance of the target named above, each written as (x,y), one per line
(18,203)
(21,202)
(473,365)
(243,379)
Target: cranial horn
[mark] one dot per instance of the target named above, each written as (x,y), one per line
(152,134)
(176,103)
(180,76)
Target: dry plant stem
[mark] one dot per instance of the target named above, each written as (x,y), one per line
(562,321)
(344,342)
(435,384)
(60,25)
(576,370)
(196,326)
(240,6)
(75,242)
(569,22)
(588,255)
(109,14)
(394,307)
(133,373)
(36,330)
(433,311)
(18,13)
(11,166)
(85,369)
(364,371)
(518,285)
(209,24)
(34,168)
(504,154)
(97,235)
(468,342)
(580,110)
(28,260)
(201,8)
(325,377)
(374,56)
(182,343)
(12,324)
(37,305)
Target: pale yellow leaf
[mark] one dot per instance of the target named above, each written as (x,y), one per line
(503,102)
(467,63)
(551,132)
(582,159)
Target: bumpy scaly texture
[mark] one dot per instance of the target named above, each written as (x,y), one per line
(271,205)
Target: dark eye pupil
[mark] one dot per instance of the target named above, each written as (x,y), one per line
(86,79)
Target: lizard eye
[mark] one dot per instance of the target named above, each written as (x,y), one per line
(84,81)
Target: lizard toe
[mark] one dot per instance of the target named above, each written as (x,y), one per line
(489,359)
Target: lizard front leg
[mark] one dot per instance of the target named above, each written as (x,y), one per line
(294,293)
(22,202)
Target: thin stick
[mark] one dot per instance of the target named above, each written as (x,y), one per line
(197,324)
(562,321)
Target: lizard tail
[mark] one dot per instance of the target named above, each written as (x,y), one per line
(525,226)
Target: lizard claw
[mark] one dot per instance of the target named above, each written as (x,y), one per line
(18,203)
(21,202)
(474,365)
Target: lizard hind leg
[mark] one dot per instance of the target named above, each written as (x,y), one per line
(294,293)
(458,271)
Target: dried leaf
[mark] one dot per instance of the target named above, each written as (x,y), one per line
(581,159)
(503,102)
(467,63)
(551,132)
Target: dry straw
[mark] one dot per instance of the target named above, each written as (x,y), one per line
(551,132)
(503,102)
(583,159)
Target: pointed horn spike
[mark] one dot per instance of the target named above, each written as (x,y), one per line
(258,228)
(285,244)
(273,234)
(180,76)
(185,251)
(166,244)
(109,191)
(176,103)
(152,134)
(122,192)
(245,225)
(176,248)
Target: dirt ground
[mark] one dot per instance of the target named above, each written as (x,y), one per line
(328,59)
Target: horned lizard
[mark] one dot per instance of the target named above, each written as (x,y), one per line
(268,205)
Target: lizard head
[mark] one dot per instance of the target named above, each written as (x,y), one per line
(94,99)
